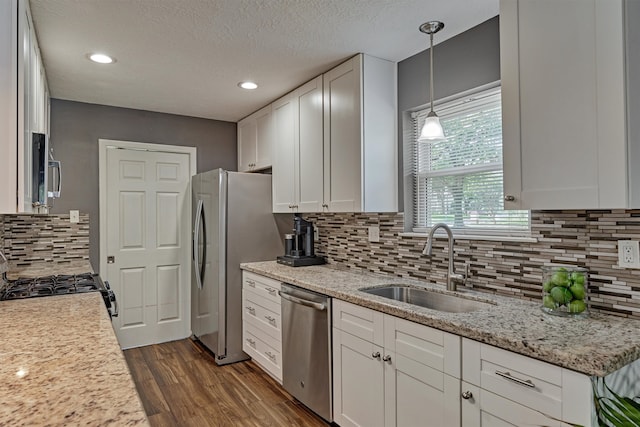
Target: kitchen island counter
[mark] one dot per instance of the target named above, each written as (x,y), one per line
(596,345)
(60,364)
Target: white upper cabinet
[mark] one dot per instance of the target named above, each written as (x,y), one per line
(297,166)
(564,87)
(24,107)
(255,141)
(360,141)
(335,146)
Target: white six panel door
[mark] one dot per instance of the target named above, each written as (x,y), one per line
(147,216)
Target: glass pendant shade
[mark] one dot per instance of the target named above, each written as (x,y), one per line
(432,129)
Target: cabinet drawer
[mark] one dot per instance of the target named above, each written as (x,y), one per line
(263,286)
(358,321)
(266,356)
(265,320)
(428,346)
(530,382)
(259,298)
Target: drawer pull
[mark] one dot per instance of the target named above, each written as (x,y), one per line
(251,283)
(251,309)
(507,375)
(467,395)
(376,355)
(387,358)
(271,291)
(251,342)
(270,319)
(271,356)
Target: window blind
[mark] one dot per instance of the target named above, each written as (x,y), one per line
(458,181)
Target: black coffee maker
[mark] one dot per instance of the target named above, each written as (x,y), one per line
(299,245)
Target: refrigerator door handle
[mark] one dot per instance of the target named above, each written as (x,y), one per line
(196,251)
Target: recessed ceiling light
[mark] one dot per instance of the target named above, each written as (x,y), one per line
(248,85)
(101,58)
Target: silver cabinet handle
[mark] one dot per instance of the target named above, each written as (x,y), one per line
(376,355)
(467,395)
(252,310)
(271,356)
(270,319)
(272,291)
(251,283)
(324,205)
(509,198)
(301,301)
(387,358)
(251,342)
(507,375)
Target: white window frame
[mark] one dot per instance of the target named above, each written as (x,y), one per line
(446,107)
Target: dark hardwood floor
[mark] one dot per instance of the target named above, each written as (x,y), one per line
(180,385)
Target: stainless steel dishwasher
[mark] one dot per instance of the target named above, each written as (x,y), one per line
(306,348)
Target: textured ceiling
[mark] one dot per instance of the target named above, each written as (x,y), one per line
(187,56)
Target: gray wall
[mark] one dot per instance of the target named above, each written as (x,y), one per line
(76,128)
(463,62)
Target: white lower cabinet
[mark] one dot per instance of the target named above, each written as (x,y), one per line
(392,372)
(501,388)
(487,409)
(261,328)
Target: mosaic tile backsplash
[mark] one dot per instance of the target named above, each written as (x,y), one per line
(43,239)
(584,238)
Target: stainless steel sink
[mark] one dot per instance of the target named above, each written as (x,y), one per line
(428,299)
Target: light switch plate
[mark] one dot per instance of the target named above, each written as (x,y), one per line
(629,253)
(316,234)
(74,216)
(374,233)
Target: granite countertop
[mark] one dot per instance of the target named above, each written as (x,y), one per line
(60,364)
(596,345)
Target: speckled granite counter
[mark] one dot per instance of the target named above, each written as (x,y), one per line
(597,345)
(60,364)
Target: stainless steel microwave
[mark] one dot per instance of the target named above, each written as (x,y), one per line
(46,175)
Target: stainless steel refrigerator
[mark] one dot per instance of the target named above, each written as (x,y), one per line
(232,223)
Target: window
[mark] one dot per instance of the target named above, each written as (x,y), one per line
(458,181)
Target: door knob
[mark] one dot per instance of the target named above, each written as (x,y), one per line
(376,355)
(467,395)
(509,199)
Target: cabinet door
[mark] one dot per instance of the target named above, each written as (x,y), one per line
(309,154)
(247,137)
(358,382)
(414,390)
(8,109)
(264,138)
(485,409)
(343,136)
(563,104)
(284,160)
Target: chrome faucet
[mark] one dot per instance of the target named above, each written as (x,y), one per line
(452,277)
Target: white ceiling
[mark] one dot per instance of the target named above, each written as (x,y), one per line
(187,56)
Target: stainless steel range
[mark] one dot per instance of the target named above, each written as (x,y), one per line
(61,285)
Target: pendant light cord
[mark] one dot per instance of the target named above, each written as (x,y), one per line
(431,69)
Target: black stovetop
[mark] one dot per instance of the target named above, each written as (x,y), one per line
(52,285)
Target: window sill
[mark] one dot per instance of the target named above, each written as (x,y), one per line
(520,239)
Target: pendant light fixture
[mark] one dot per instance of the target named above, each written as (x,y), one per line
(432,129)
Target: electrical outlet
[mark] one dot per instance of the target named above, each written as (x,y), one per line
(374,233)
(74,216)
(629,253)
(316,234)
